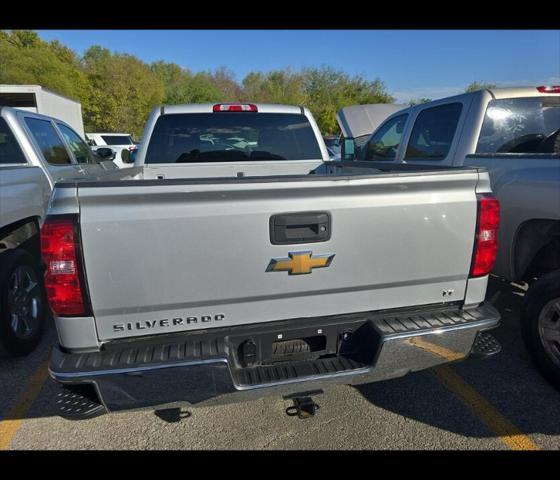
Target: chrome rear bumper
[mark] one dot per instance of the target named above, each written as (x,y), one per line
(202,369)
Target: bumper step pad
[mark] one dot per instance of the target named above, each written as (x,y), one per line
(279,373)
(485,346)
(77,403)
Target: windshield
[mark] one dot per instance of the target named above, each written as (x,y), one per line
(232,137)
(117,139)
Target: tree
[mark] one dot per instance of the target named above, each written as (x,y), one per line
(26,59)
(224,81)
(276,86)
(123,91)
(117,91)
(417,101)
(474,86)
(328,90)
(182,86)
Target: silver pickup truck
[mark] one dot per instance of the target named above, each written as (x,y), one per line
(515,134)
(218,269)
(36,151)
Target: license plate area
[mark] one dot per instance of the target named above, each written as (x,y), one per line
(297,344)
(307,348)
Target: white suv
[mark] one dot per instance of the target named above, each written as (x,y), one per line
(115,141)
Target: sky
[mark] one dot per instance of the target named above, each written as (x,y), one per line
(411,63)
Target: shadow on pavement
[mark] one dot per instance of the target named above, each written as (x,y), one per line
(509,381)
(172,415)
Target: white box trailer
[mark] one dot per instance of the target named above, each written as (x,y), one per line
(35,98)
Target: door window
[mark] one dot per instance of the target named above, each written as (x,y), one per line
(49,142)
(81,151)
(385,142)
(433,132)
(10,151)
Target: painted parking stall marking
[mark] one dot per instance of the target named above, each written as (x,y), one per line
(504,429)
(10,424)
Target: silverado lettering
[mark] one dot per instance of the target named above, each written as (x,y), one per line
(166,322)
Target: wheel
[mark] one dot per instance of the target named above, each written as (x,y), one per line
(540,322)
(22,303)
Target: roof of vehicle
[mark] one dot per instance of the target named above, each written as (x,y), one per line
(513,92)
(207,108)
(13,111)
(497,93)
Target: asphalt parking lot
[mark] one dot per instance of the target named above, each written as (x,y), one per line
(499,403)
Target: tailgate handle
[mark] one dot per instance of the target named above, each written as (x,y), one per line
(304,227)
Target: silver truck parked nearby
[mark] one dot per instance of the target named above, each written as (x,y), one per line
(515,134)
(212,272)
(36,151)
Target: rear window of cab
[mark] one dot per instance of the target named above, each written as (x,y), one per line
(232,137)
(521,125)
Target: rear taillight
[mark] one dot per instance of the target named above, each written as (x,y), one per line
(235,107)
(549,89)
(486,238)
(59,249)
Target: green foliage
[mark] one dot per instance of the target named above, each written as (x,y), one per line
(474,86)
(328,90)
(182,86)
(123,89)
(26,59)
(417,101)
(224,81)
(117,91)
(277,86)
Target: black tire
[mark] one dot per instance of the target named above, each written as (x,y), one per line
(537,302)
(21,343)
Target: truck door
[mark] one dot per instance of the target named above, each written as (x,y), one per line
(50,147)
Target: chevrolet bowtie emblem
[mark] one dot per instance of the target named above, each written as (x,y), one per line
(298,263)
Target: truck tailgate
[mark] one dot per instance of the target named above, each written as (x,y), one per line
(173,255)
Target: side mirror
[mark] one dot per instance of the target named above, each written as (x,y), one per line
(128,156)
(125,155)
(348,150)
(106,153)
